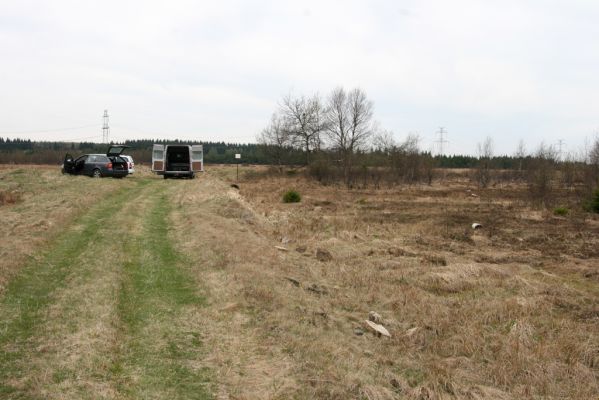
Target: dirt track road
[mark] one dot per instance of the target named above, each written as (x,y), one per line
(131,291)
(107,309)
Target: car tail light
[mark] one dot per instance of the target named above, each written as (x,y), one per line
(130,165)
(109,165)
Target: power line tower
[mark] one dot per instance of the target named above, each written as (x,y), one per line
(442,140)
(105,127)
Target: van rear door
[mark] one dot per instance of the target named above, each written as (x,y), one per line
(158,158)
(197,158)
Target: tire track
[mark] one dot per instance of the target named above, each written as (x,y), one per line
(160,348)
(44,308)
(110,312)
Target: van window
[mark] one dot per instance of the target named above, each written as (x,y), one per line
(196,156)
(159,154)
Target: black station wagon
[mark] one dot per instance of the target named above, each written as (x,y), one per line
(98,165)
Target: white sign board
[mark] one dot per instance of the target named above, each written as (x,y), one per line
(238,156)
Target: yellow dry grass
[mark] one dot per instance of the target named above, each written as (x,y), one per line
(506,312)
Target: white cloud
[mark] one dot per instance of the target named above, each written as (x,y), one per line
(217,69)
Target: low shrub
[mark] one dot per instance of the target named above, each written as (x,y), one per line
(9,197)
(291,196)
(320,170)
(561,211)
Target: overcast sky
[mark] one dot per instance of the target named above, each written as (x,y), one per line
(215,70)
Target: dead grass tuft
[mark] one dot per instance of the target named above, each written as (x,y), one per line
(9,197)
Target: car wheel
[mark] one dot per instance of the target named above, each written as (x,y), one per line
(96,173)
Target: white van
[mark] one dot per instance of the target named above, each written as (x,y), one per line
(177,160)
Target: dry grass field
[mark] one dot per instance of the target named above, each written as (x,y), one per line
(218,292)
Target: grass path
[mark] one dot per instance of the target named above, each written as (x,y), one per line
(157,353)
(105,313)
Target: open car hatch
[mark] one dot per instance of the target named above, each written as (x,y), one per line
(116,150)
(69,163)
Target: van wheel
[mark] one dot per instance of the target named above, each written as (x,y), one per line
(192,176)
(96,173)
(165,176)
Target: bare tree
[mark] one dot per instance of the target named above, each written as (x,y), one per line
(541,174)
(520,155)
(410,160)
(405,161)
(304,121)
(485,155)
(384,142)
(411,145)
(568,169)
(276,139)
(349,125)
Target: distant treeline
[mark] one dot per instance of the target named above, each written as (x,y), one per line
(25,151)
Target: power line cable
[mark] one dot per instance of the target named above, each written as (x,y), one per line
(78,139)
(47,130)
(67,140)
(182,136)
(137,130)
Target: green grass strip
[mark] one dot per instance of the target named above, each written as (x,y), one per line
(28,295)
(158,358)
